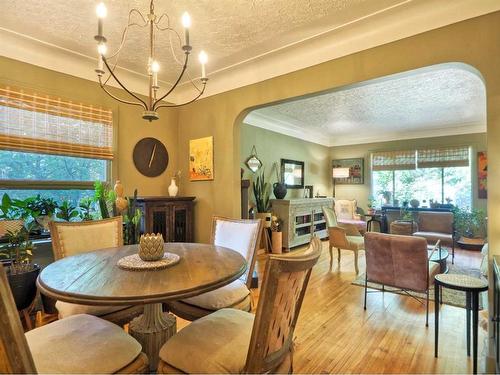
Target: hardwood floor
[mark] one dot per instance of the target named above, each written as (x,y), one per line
(335,335)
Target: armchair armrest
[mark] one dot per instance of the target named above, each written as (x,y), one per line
(350,229)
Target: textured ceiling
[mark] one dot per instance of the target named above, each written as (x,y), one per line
(231,31)
(408,105)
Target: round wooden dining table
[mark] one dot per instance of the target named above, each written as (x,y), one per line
(94,278)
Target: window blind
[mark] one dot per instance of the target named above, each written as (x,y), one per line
(35,122)
(393,160)
(456,156)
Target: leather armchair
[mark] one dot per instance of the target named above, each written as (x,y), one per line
(401,262)
(434,226)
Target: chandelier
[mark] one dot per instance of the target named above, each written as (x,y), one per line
(155,24)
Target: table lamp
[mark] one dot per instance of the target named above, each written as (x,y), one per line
(339,173)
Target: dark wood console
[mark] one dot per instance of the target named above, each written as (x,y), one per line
(173,217)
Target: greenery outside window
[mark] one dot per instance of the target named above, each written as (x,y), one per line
(51,146)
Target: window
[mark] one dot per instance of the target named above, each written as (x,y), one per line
(442,175)
(51,146)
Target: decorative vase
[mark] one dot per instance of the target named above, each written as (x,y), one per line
(414,203)
(279,190)
(121,203)
(44,221)
(266,217)
(277,242)
(173,189)
(151,247)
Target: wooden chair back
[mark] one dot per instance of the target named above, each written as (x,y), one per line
(283,288)
(330,217)
(15,356)
(75,238)
(241,235)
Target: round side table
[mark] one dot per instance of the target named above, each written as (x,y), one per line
(472,286)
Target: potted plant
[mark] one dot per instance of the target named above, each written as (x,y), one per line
(11,215)
(66,211)
(371,206)
(470,227)
(21,272)
(279,187)
(131,219)
(85,209)
(41,209)
(276,235)
(261,191)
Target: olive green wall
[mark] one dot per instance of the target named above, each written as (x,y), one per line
(271,147)
(129,126)
(362,192)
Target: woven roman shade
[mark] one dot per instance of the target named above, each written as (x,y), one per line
(393,160)
(35,122)
(456,156)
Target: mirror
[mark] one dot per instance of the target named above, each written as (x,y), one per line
(292,173)
(253,162)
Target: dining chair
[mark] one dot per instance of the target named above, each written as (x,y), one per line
(400,262)
(235,341)
(243,236)
(342,236)
(69,239)
(78,344)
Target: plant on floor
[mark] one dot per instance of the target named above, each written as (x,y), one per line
(261,192)
(132,219)
(470,223)
(105,197)
(66,211)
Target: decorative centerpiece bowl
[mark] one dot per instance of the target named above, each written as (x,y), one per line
(151,247)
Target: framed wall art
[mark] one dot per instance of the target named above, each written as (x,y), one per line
(356,171)
(201,159)
(482,175)
(292,173)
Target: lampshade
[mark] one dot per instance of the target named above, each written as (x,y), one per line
(340,172)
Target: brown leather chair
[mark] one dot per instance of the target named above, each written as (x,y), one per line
(401,262)
(437,226)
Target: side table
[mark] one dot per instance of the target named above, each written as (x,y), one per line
(374,218)
(472,286)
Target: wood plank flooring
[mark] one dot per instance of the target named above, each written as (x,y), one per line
(335,335)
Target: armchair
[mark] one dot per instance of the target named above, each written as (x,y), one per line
(346,212)
(434,226)
(342,236)
(401,262)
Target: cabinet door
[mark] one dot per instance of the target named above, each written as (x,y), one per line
(158,221)
(181,223)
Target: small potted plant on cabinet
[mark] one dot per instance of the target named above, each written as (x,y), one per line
(261,191)
(21,272)
(371,209)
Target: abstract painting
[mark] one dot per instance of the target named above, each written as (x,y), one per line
(482,175)
(356,171)
(201,159)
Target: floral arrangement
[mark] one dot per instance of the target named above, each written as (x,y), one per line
(276,224)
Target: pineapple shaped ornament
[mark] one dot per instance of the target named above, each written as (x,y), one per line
(151,247)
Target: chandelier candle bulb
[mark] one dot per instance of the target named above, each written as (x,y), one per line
(203,60)
(186,22)
(101,12)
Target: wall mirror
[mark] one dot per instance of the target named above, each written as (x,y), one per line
(292,173)
(253,162)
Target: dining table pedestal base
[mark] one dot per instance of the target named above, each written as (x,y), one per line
(152,329)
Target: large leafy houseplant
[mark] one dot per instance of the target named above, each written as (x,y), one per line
(469,223)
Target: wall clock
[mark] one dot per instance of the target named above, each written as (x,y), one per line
(150,157)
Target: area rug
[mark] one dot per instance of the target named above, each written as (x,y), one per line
(450,296)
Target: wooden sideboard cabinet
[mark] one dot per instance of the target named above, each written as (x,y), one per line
(301,218)
(170,216)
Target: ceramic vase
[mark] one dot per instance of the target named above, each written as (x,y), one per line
(151,247)
(277,242)
(173,189)
(279,190)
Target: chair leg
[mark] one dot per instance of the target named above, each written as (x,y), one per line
(427,308)
(453,253)
(338,250)
(356,262)
(366,290)
(331,256)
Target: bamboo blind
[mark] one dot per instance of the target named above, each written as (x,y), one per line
(394,160)
(35,122)
(457,156)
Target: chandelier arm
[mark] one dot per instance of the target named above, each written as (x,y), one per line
(157,22)
(122,85)
(117,98)
(125,30)
(175,84)
(180,105)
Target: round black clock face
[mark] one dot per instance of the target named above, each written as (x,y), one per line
(150,157)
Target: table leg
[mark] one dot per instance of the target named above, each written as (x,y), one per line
(152,329)
(468,308)
(475,324)
(436,317)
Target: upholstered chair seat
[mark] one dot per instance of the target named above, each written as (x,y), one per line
(70,239)
(242,236)
(81,344)
(231,341)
